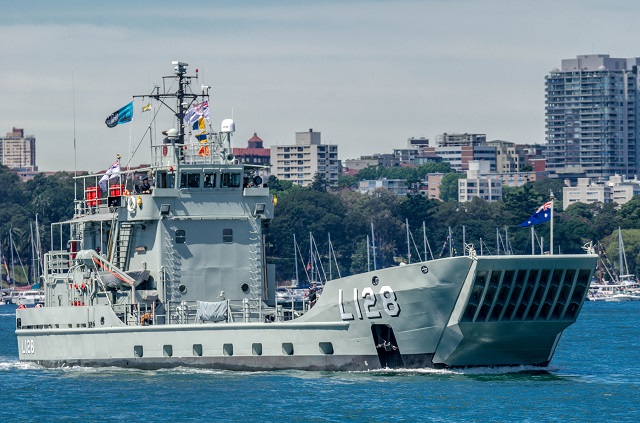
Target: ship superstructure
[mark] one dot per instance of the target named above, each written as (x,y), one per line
(176,275)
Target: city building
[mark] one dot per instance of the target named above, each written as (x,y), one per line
(592,117)
(397,186)
(18,152)
(510,157)
(433,185)
(418,143)
(479,183)
(459,140)
(406,156)
(300,162)
(615,190)
(459,157)
(255,153)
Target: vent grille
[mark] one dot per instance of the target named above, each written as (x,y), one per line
(526,295)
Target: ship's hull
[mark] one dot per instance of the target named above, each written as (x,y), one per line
(484,311)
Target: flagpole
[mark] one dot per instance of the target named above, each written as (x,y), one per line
(533,249)
(551,231)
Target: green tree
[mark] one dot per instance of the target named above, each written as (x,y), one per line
(630,214)
(278,186)
(347,181)
(449,186)
(319,182)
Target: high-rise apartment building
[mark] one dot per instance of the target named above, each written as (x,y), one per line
(592,116)
(300,162)
(18,151)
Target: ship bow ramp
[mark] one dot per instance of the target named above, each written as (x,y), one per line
(512,310)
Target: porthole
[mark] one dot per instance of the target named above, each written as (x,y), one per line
(167,350)
(287,348)
(182,288)
(375,281)
(227,349)
(326,348)
(102,320)
(245,288)
(256,349)
(138,351)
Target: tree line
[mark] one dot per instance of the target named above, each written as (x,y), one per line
(346,218)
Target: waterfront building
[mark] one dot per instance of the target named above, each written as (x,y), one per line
(300,162)
(459,140)
(397,186)
(479,183)
(510,157)
(18,152)
(459,157)
(614,190)
(592,116)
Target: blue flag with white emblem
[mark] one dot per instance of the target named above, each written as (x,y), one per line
(122,115)
(543,214)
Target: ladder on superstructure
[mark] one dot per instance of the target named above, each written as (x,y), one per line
(169,271)
(255,263)
(123,244)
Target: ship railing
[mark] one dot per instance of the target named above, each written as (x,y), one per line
(245,310)
(138,314)
(186,312)
(57,262)
(199,152)
(107,198)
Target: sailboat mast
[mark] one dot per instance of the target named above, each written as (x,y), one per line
(295,257)
(408,244)
(368,256)
(311,258)
(330,251)
(373,247)
(621,254)
(13,270)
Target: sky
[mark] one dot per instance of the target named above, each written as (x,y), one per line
(366,74)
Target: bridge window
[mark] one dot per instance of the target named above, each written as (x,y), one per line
(209,180)
(189,180)
(231,180)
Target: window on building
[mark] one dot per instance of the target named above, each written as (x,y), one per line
(227,236)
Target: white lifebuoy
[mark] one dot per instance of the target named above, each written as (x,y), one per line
(131,203)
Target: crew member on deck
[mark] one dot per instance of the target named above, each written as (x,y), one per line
(313,294)
(145,188)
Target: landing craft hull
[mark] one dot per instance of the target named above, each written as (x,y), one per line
(492,310)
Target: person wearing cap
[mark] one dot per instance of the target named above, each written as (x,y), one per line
(145,188)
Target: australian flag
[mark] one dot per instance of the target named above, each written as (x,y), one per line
(542,215)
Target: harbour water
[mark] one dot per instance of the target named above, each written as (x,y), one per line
(594,376)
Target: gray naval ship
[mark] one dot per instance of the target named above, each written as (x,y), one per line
(176,275)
